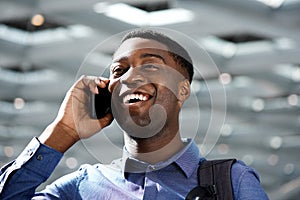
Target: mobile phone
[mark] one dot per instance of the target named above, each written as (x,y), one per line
(101,103)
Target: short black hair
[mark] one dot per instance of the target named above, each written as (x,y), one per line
(179,54)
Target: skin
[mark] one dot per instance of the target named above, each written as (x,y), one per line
(140,66)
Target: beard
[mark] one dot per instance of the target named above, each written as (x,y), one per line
(141,124)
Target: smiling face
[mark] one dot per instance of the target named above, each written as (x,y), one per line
(145,82)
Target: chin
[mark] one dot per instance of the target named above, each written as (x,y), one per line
(141,128)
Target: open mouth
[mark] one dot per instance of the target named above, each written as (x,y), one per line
(135,98)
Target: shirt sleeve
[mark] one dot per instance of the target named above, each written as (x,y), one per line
(20,178)
(246,184)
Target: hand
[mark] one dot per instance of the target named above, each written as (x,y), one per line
(73,121)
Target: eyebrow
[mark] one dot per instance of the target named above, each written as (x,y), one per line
(145,55)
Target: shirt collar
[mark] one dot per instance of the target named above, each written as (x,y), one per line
(187,159)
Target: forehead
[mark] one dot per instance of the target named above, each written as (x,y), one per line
(134,44)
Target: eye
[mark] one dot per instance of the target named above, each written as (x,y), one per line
(150,67)
(119,70)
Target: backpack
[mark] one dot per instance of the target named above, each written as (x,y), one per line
(214,179)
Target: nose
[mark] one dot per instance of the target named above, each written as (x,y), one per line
(132,77)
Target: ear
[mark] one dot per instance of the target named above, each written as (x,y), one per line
(184,91)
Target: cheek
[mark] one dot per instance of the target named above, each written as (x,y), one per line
(170,103)
(168,88)
(168,98)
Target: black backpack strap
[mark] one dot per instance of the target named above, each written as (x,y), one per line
(214,179)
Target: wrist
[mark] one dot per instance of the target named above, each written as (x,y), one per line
(59,137)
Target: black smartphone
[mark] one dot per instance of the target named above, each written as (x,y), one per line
(101,103)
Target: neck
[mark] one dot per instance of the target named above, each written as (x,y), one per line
(155,149)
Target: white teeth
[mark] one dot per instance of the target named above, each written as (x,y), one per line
(140,97)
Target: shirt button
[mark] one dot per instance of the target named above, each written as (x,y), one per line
(29,152)
(39,157)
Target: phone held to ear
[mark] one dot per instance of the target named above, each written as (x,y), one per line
(101,103)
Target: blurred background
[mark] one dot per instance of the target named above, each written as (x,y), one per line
(253,43)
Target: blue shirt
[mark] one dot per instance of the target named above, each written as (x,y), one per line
(126,178)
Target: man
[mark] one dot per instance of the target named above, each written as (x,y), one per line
(149,81)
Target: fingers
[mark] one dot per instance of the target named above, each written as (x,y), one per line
(92,82)
(103,82)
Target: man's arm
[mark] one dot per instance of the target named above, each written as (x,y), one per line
(73,121)
(20,178)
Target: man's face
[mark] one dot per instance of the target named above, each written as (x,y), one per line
(144,83)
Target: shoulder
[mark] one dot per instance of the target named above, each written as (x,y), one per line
(246,182)
(96,172)
(239,168)
(240,171)
(88,171)
(73,179)
(85,173)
